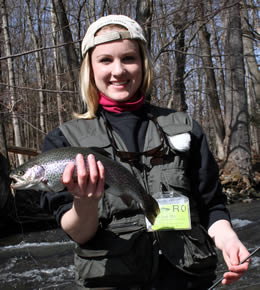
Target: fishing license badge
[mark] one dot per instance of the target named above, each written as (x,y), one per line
(174,213)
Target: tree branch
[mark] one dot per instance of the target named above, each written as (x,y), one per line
(38,49)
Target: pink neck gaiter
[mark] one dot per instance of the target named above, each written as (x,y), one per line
(119,107)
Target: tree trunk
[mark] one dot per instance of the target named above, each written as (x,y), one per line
(70,52)
(56,65)
(180,58)
(237,137)
(166,88)
(3,146)
(253,81)
(38,68)
(144,14)
(219,63)
(15,120)
(211,88)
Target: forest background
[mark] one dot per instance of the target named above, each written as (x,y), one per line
(206,59)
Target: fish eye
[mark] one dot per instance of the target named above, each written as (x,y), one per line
(20,172)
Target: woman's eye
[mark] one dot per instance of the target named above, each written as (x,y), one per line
(129,58)
(105,60)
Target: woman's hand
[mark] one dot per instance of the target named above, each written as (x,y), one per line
(81,221)
(233,250)
(90,179)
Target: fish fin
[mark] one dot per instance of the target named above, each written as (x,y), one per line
(151,208)
(44,182)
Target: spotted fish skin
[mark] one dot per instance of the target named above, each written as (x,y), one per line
(44,173)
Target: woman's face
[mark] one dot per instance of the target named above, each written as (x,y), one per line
(117,69)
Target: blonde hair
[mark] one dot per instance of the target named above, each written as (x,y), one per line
(88,89)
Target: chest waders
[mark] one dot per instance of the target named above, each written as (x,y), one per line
(123,253)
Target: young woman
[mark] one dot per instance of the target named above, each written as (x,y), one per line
(168,154)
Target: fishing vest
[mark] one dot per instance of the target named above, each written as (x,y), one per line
(123,253)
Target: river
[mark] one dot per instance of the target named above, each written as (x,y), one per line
(42,260)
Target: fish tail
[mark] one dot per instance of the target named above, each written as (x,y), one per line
(151,209)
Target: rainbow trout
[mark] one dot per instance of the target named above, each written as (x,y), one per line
(44,173)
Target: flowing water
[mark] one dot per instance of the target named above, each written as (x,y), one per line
(246,221)
(37,260)
(44,259)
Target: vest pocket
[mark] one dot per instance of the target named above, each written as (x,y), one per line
(111,260)
(201,257)
(191,251)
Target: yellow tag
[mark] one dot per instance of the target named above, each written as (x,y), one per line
(174,215)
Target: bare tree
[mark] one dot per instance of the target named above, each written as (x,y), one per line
(144,13)
(252,79)
(11,74)
(211,87)
(179,17)
(165,81)
(56,63)
(63,26)
(3,143)
(237,137)
(38,65)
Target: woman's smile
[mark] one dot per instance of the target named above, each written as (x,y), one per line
(119,84)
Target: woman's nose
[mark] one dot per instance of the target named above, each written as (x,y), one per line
(118,68)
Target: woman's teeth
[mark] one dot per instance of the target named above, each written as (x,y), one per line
(119,83)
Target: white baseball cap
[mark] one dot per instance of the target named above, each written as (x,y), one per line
(135,31)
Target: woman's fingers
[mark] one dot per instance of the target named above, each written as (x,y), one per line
(231,277)
(101,181)
(93,175)
(82,173)
(234,253)
(67,177)
(90,177)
